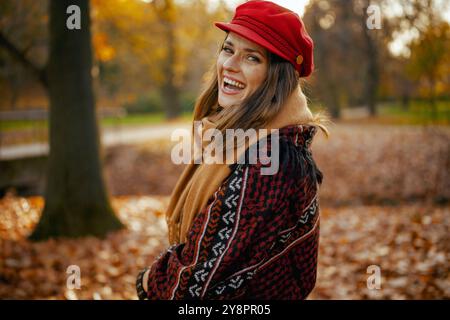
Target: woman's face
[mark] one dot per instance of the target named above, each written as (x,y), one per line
(241,68)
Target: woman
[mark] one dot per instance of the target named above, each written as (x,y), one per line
(235,232)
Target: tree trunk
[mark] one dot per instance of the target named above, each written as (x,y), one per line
(433,104)
(372,72)
(332,99)
(165,9)
(170,92)
(76,200)
(405,101)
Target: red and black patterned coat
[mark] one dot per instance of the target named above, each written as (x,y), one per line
(257,237)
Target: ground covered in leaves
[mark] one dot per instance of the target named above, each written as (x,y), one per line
(384,199)
(108,266)
(410,245)
(362,164)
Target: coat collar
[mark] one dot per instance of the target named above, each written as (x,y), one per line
(300,135)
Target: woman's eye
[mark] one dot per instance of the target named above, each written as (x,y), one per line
(253,58)
(228,50)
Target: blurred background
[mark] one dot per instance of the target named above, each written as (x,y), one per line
(86,117)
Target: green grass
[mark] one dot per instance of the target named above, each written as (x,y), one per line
(419,112)
(11,125)
(135,119)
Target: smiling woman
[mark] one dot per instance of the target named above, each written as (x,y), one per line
(235,231)
(243,59)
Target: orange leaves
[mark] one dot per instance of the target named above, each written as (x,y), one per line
(146,169)
(18,216)
(383,164)
(413,257)
(362,164)
(103,50)
(409,244)
(108,267)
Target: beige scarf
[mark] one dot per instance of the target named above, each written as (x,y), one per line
(198,182)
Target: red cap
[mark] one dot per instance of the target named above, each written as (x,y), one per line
(279,30)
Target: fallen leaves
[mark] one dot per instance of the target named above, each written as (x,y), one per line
(142,169)
(362,164)
(410,244)
(384,164)
(412,253)
(108,267)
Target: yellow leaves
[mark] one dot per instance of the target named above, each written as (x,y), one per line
(430,58)
(37,202)
(166,10)
(103,51)
(122,12)
(141,33)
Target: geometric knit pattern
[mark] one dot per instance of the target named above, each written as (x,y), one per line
(258,235)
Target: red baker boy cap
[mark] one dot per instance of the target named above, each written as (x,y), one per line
(279,30)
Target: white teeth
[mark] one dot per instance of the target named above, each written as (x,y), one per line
(234,83)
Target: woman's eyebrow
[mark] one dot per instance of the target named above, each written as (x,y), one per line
(228,42)
(253,50)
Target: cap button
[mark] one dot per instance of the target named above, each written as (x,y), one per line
(299,59)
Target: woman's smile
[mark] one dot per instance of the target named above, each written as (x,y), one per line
(232,86)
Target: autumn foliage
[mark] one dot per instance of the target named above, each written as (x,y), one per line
(384,202)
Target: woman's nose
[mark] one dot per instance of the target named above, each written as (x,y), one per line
(232,63)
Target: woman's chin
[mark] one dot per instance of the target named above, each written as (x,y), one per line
(226,102)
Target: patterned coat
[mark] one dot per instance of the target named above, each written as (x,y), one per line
(257,237)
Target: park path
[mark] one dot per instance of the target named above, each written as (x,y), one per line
(112,136)
(109,136)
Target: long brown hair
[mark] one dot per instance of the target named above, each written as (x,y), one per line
(258,109)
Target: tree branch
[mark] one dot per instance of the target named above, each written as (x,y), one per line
(39,73)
